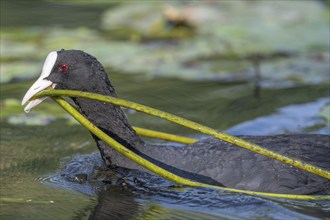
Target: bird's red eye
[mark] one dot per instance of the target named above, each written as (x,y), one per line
(64,68)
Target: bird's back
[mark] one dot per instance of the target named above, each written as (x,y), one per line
(239,168)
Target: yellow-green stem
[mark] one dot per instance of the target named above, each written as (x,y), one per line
(160,171)
(163,136)
(193,125)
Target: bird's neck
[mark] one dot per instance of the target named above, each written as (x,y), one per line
(111,120)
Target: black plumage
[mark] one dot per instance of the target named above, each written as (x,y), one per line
(210,161)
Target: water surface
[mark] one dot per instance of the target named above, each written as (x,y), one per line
(46,157)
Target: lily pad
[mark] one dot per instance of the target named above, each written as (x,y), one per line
(19,70)
(239,27)
(30,119)
(11,112)
(136,21)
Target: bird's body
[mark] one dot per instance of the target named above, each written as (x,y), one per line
(210,161)
(239,168)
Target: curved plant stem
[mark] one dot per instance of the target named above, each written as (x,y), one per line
(160,171)
(163,136)
(193,125)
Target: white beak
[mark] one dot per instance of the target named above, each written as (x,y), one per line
(41,82)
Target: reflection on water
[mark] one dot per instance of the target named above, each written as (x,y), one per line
(293,118)
(115,204)
(143,196)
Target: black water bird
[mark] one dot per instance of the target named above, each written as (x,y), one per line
(209,161)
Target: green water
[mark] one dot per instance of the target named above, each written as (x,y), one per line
(206,78)
(31,155)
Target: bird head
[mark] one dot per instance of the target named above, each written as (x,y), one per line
(68,69)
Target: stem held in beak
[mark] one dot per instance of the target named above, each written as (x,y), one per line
(42,83)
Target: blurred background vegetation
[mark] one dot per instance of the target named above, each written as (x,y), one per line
(228,48)
(194,40)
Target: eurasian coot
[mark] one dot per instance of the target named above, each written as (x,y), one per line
(210,161)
